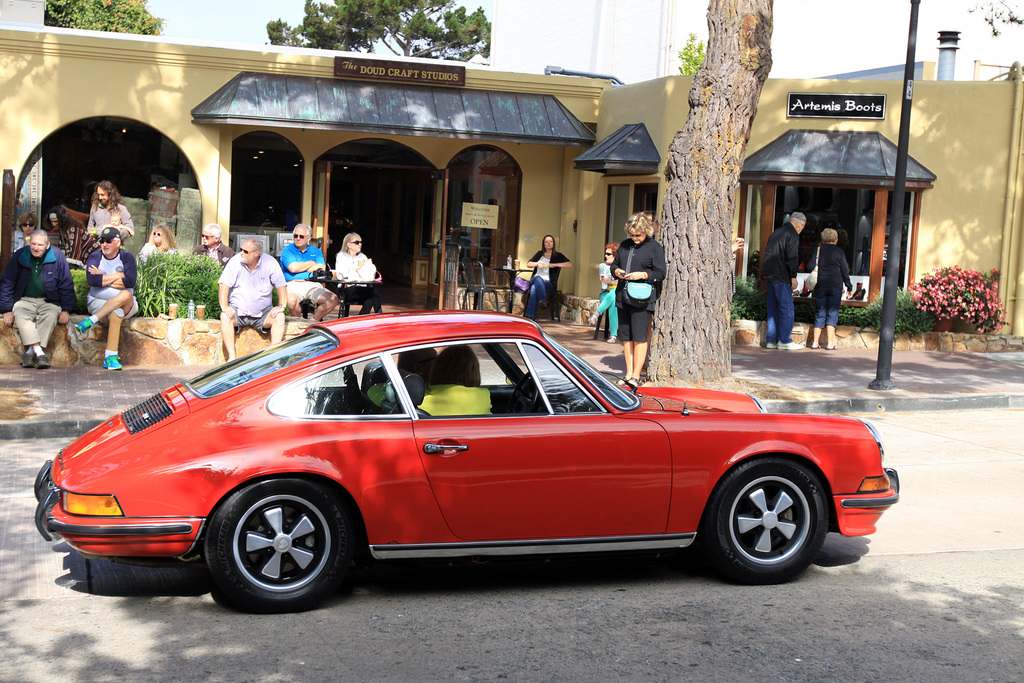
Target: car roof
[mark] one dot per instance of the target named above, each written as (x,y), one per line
(368,333)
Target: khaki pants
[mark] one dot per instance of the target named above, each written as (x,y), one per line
(35,320)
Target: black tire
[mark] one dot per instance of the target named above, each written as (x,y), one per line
(765,521)
(279,546)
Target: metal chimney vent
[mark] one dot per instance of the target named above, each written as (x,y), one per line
(948,45)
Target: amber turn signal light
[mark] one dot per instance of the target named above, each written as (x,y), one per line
(874,484)
(91,505)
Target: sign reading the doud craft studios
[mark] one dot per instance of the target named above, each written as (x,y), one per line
(835,106)
(480,216)
(401,72)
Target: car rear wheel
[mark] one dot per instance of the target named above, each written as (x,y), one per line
(279,546)
(765,521)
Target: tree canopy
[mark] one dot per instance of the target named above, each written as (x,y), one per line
(998,13)
(691,56)
(118,16)
(411,28)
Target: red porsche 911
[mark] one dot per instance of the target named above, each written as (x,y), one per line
(445,435)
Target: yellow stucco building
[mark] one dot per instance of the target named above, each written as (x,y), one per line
(255,139)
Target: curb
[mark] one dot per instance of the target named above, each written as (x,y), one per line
(30,430)
(897,404)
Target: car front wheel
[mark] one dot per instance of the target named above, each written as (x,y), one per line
(279,546)
(765,521)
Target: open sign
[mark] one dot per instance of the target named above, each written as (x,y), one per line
(484,216)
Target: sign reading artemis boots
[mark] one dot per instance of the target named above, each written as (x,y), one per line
(401,72)
(835,106)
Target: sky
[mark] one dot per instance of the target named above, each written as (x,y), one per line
(811,37)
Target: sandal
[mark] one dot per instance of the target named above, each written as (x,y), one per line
(831,348)
(814,347)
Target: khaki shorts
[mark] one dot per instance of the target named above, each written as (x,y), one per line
(96,304)
(306,291)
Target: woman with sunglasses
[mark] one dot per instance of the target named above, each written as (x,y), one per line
(161,241)
(607,301)
(352,264)
(26,224)
(639,259)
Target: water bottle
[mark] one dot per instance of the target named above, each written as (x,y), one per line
(191,309)
(508,262)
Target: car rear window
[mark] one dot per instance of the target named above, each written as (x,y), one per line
(271,359)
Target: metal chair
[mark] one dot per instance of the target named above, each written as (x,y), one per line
(472,273)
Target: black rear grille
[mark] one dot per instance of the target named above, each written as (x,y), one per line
(147,413)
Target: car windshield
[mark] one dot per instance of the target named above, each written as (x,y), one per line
(618,398)
(261,363)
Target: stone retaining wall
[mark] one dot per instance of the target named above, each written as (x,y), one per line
(752,333)
(145,342)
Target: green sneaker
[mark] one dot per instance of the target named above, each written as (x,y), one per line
(83,327)
(112,363)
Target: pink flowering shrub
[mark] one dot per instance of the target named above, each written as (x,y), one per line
(953,292)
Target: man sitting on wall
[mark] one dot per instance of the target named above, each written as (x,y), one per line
(212,246)
(37,293)
(246,286)
(110,272)
(300,260)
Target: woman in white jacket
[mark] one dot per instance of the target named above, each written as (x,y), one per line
(352,265)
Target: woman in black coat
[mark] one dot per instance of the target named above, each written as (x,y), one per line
(639,259)
(833,273)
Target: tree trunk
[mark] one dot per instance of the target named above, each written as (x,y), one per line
(691,342)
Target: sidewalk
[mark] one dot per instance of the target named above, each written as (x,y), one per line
(66,402)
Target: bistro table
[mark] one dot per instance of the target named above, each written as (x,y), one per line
(341,287)
(512,273)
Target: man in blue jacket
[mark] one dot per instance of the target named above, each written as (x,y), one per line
(778,270)
(37,294)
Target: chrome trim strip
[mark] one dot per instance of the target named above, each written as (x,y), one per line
(531,547)
(861,503)
(159,529)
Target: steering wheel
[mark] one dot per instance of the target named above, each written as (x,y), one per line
(525,397)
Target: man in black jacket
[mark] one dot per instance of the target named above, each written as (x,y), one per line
(778,270)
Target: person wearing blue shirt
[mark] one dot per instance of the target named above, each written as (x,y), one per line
(300,260)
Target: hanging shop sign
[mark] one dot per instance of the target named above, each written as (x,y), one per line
(835,106)
(480,216)
(399,72)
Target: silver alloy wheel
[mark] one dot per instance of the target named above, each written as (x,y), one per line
(769,520)
(281,543)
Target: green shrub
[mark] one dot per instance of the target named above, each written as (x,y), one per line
(750,304)
(81,290)
(747,302)
(177,278)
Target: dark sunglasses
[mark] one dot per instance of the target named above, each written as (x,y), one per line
(26,225)
(107,240)
(608,253)
(355,241)
(298,235)
(247,251)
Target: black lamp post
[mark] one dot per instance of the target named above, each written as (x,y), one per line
(883,372)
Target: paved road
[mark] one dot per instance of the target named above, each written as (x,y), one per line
(937,592)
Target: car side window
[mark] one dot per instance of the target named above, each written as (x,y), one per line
(361,388)
(562,392)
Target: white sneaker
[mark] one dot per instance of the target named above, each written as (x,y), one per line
(790,346)
(771,345)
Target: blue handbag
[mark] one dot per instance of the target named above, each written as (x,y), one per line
(636,294)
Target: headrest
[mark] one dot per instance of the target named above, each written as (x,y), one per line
(416,387)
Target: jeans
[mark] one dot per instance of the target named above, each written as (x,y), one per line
(607,303)
(780,311)
(539,291)
(827,302)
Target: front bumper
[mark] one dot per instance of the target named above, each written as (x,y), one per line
(857,515)
(111,536)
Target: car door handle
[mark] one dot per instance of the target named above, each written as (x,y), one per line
(431,448)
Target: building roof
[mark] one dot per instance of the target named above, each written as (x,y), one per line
(801,157)
(630,149)
(278,100)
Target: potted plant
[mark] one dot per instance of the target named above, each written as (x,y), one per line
(952,293)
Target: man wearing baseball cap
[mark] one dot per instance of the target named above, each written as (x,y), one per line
(110,272)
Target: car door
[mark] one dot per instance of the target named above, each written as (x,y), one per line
(569,469)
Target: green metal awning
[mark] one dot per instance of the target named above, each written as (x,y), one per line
(630,150)
(853,158)
(277,100)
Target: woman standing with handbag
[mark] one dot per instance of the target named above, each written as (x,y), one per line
(833,274)
(640,266)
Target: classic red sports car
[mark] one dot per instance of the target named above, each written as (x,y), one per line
(443,435)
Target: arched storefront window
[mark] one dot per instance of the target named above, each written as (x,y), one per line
(156,181)
(266,183)
(485,176)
